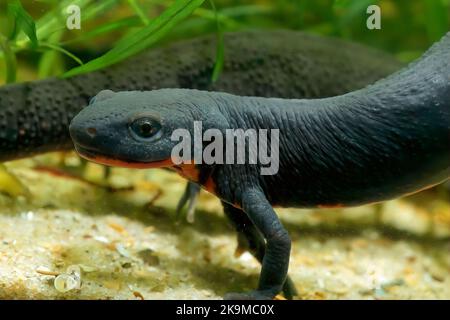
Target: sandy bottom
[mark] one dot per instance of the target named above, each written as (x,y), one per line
(128,244)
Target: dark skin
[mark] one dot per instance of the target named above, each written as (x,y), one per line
(379,143)
(34,117)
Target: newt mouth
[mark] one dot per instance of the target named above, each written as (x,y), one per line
(94,156)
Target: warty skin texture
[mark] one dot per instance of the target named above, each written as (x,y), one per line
(34,116)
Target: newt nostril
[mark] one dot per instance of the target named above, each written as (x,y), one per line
(91,132)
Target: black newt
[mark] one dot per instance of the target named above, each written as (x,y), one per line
(34,117)
(378,143)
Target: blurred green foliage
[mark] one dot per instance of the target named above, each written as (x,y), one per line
(34,33)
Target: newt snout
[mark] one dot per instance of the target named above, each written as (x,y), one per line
(83,135)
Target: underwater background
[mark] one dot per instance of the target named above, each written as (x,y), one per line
(73,230)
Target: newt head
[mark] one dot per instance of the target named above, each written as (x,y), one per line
(134,128)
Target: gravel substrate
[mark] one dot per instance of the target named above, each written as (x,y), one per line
(127,244)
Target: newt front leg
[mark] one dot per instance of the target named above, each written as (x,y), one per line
(254,241)
(275,263)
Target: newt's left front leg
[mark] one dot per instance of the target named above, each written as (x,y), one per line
(256,245)
(276,259)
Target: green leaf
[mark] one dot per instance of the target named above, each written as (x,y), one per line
(141,39)
(23,21)
(220,57)
(62,50)
(50,63)
(106,28)
(54,20)
(10,60)
(220,51)
(139,11)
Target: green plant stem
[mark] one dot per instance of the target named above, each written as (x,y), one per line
(10,60)
(140,13)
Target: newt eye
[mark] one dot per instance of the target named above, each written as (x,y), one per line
(145,128)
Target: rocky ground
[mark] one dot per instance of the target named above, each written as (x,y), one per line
(70,239)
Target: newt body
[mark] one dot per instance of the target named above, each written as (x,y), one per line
(34,117)
(374,144)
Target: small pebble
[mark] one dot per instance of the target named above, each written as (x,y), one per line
(124,252)
(65,283)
